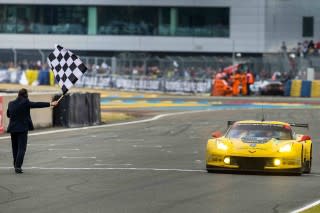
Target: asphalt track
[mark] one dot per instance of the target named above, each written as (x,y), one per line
(153,166)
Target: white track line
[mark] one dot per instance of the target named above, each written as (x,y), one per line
(112,164)
(63,149)
(157,117)
(307,207)
(65,157)
(105,168)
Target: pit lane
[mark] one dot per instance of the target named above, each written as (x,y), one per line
(151,166)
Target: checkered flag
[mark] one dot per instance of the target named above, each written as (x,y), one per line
(66,66)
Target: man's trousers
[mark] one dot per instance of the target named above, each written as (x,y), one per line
(19,147)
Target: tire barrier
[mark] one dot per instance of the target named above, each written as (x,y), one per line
(306,89)
(295,90)
(32,76)
(287,88)
(315,88)
(302,88)
(77,110)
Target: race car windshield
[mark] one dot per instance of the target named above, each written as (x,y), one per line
(261,131)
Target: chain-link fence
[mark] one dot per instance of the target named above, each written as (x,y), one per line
(162,73)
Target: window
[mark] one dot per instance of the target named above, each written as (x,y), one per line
(307,27)
(43,19)
(164,21)
(116,20)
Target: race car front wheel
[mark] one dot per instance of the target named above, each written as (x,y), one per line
(308,163)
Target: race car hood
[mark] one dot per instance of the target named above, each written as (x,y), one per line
(257,143)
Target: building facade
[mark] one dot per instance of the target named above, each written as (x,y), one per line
(166,26)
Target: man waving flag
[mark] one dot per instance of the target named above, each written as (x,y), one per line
(66,66)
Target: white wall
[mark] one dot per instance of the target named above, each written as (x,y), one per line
(284,22)
(247,30)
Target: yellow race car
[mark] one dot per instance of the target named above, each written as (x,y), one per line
(260,146)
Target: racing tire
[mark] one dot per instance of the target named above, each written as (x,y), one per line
(210,170)
(300,171)
(308,164)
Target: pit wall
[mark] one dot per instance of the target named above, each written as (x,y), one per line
(302,88)
(41,117)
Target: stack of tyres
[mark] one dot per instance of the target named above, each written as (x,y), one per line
(296,88)
(94,110)
(77,110)
(287,88)
(315,88)
(306,88)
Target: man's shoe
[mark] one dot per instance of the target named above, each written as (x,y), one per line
(18,170)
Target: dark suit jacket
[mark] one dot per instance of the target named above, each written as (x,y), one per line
(19,114)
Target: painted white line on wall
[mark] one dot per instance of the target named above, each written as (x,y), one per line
(157,117)
(309,206)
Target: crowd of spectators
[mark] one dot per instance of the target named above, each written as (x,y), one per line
(168,69)
(305,48)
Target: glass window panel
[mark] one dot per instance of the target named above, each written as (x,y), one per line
(207,22)
(115,20)
(307,27)
(127,20)
(43,19)
(166,21)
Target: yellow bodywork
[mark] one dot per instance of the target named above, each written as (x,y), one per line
(224,153)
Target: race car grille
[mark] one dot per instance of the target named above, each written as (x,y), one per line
(249,163)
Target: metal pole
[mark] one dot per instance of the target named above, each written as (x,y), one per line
(42,56)
(233,53)
(14,57)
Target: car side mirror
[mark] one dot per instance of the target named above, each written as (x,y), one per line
(305,138)
(216,134)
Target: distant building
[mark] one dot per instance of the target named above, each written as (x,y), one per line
(161,26)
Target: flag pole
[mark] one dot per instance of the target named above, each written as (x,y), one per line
(60,98)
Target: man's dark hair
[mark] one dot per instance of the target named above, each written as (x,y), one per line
(23,93)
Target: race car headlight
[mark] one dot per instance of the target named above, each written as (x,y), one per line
(221,145)
(277,162)
(286,148)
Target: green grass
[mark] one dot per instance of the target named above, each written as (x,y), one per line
(110,117)
(315,209)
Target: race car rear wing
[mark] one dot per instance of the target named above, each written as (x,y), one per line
(299,125)
(291,124)
(231,122)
